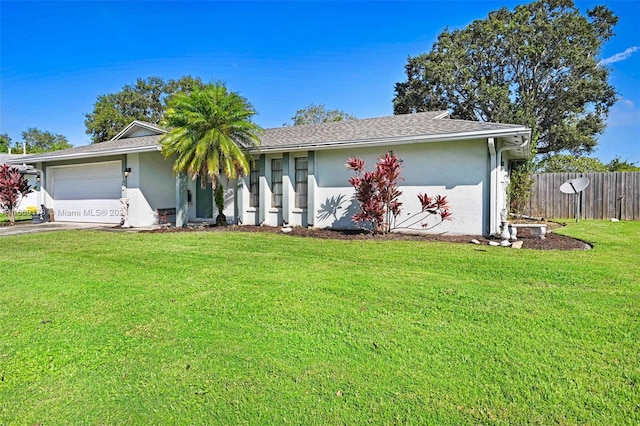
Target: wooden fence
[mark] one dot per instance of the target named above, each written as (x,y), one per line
(609,195)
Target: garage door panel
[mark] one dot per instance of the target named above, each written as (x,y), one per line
(87,193)
(87,188)
(91,211)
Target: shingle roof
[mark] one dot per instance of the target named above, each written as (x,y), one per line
(371,129)
(16,161)
(6,157)
(427,125)
(139,144)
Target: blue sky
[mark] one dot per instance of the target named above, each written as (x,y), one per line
(57,57)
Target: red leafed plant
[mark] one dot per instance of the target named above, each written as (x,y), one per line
(436,206)
(13,186)
(378,194)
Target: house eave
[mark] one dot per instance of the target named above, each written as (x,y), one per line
(517,133)
(83,155)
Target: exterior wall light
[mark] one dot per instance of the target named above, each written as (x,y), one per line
(38,178)
(127,171)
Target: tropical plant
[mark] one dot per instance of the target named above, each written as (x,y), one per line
(218,199)
(434,206)
(378,194)
(145,100)
(211,133)
(13,187)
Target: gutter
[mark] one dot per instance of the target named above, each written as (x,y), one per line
(92,154)
(400,140)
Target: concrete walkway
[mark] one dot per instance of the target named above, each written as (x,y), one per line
(29,228)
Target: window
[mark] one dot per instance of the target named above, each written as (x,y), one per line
(254,186)
(276,182)
(302,168)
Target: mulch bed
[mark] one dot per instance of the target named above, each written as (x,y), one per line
(551,242)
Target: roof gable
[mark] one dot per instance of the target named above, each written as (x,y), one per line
(138,129)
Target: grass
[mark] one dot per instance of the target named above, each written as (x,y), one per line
(20,217)
(233,328)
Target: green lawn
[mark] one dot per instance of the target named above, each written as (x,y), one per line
(237,328)
(19,218)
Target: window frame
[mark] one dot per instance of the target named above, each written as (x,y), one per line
(254,186)
(277,181)
(301,184)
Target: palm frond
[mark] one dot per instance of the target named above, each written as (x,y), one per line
(211,131)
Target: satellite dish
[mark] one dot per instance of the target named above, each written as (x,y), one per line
(575,186)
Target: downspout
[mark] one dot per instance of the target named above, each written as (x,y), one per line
(493,183)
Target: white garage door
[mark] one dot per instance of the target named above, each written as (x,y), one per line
(87,193)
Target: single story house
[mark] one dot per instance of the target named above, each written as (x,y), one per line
(299,177)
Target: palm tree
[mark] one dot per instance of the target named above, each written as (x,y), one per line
(211,133)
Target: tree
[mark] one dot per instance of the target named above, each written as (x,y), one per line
(570,164)
(5,143)
(39,141)
(211,133)
(618,165)
(579,164)
(146,101)
(13,187)
(536,65)
(316,114)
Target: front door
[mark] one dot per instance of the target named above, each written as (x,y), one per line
(204,201)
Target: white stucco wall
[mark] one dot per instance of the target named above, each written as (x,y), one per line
(229,201)
(457,170)
(150,186)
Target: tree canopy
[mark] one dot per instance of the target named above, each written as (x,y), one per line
(619,165)
(5,143)
(316,114)
(579,164)
(536,65)
(211,133)
(570,164)
(39,141)
(146,101)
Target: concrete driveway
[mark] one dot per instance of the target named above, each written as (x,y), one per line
(29,228)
